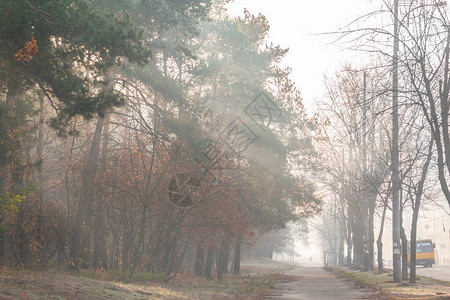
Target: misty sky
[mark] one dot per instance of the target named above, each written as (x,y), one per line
(297,25)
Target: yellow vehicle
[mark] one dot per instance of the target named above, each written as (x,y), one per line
(424,253)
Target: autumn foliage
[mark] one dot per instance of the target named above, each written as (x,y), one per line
(106,125)
(27,53)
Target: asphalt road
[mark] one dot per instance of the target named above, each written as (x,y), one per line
(436,272)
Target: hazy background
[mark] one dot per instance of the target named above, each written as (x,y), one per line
(299,26)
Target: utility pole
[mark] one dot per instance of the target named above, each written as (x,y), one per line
(335,232)
(365,214)
(397,265)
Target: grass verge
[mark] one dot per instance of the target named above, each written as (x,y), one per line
(383,284)
(54,284)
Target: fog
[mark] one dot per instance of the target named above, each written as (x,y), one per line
(216,140)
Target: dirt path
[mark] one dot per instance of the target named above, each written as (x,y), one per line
(304,282)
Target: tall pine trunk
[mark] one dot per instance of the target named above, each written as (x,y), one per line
(90,170)
(100,257)
(40,149)
(86,203)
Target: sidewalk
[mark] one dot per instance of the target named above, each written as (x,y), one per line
(317,284)
(305,281)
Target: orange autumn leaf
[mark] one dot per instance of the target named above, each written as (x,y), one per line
(28,51)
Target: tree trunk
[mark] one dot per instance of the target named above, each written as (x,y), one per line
(61,248)
(379,241)
(89,174)
(85,197)
(365,194)
(125,256)
(22,252)
(100,256)
(223,257)
(404,254)
(358,243)
(2,240)
(372,204)
(40,210)
(11,97)
(209,263)
(412,271)
(435,122)
(237,257)
(199,258)
(349,237)
(341,250)
(416,208)
(403,240)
